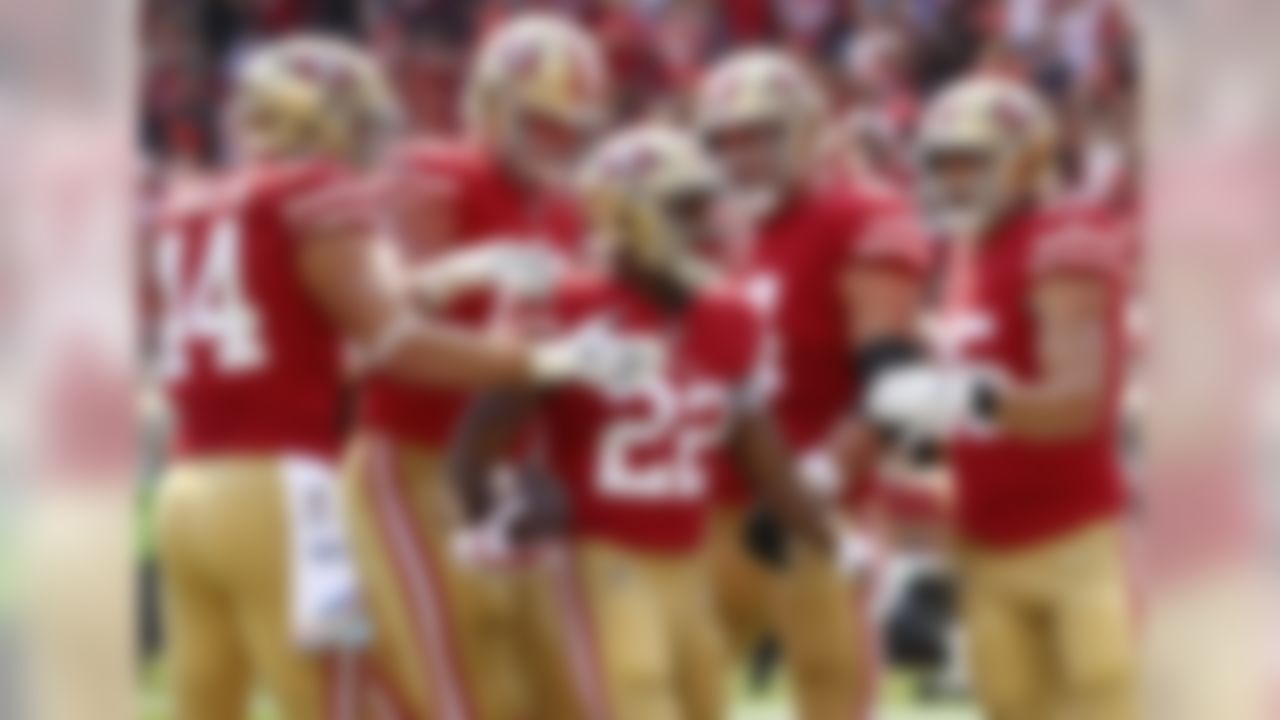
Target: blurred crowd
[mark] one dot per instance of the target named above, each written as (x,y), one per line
(880,59)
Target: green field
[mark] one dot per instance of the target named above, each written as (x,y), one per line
(748,706)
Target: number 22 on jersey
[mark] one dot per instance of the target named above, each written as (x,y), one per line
(206,304)
(654,450)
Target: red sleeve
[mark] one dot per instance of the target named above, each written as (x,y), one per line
(428,172)
(890,234)
(429,184)
(750,364)
(734,333)
(331,198)
(1083,248)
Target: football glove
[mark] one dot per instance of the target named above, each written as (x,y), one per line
(922,404)
(513,269)
(597,355)
(766,539)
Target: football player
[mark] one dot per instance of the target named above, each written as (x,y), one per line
(482,218)
(262,275)
(836,272)
(1024,387)
(638,617)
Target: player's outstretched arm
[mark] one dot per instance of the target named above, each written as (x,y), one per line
(1073,298)
(882,305)
(512,269)
(760,454)
(343,272)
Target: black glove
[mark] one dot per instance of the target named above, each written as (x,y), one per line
(765,538)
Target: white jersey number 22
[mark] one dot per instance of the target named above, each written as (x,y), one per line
(677,475)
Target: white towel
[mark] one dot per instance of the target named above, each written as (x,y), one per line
(326,607)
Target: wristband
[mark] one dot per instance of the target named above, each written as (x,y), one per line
(986,400)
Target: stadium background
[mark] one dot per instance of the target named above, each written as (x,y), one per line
(879,58)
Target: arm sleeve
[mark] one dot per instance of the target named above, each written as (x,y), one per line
(1090,249)
(335,201)
(891,235)
(426,191)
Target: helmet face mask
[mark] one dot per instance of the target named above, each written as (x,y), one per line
(760,113)
(668,237)
(545,149)
(536,96)
(756,164)
(654,197)
(985,149)
(684,228)
(960,188)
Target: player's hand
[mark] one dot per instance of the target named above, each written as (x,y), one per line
(925,403)
(820,472)
(495,541)
(857,553)
(511,527)
(596,354)
(513,269)
(485,545)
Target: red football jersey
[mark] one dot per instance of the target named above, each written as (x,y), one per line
(792,277)
(467,199)
(635,463)
(250,361)
(1012,491)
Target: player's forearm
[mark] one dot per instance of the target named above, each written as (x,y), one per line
(1070,399)
(438,355)
(1049,412)
(439,282)
(349,279)
(759,451)
(802,514)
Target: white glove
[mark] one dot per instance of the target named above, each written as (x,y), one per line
(597,355)
(857,553)
(487,544)
(930,402)
(821,475)
(514,269)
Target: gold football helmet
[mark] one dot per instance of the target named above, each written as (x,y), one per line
(763,114)
(986,145)
(650,192)
(536,93)
(311,95)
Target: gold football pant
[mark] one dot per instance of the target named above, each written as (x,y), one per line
(1049,628)
(223,534)
(454,643)
(819,616)
(640,633)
